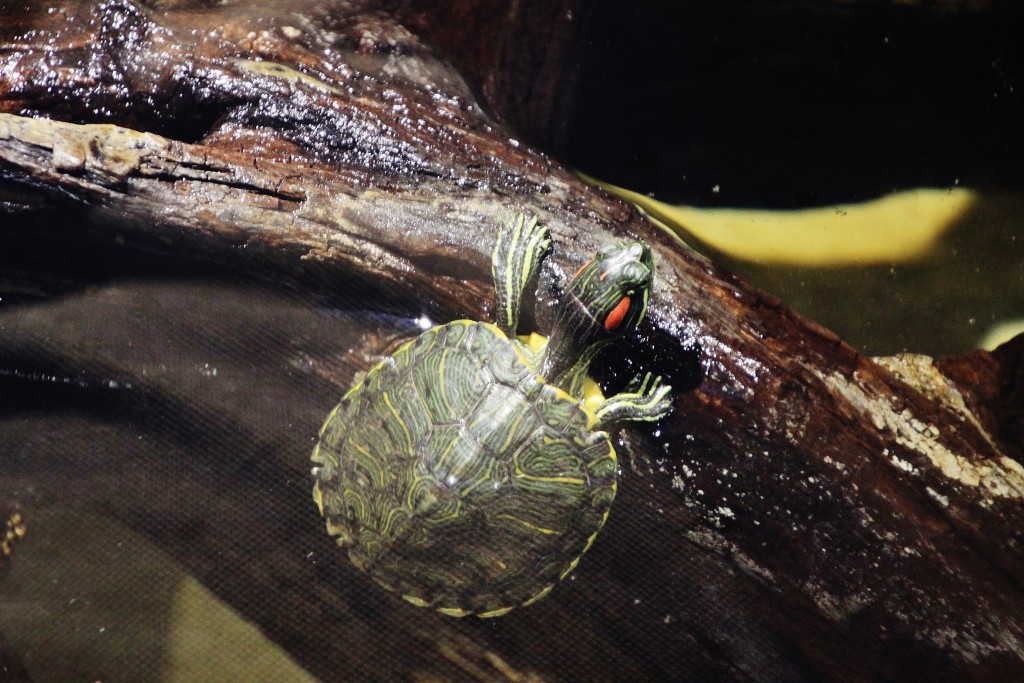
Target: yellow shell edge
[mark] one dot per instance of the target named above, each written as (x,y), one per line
(593,397)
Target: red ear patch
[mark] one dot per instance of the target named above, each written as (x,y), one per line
(615,317)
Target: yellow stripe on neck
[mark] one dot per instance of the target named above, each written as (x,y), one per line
(593,397)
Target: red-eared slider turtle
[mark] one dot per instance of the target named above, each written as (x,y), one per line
(466,471)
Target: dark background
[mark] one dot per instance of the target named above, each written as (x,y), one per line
(788,104)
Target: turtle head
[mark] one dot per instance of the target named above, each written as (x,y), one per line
(614,286)
(606,299)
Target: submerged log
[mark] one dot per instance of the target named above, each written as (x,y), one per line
(806,513)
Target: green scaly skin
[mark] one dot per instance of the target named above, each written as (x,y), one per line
(464,472)
(518,253)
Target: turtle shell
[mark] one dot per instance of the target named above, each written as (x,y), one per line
(457,477)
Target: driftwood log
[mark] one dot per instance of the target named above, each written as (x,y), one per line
(806,513)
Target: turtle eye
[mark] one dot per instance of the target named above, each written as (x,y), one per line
(637,273)
(614,319)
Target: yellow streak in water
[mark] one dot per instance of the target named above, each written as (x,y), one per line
(898,227)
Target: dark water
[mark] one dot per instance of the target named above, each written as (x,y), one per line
(791,104)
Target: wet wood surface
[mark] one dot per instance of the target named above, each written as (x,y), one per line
(806,513)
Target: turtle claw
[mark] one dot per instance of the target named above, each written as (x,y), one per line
(645,399)
(522,245)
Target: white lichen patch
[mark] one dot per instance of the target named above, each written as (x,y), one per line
(98,150)
(976,640)
(996,476)
(919,371)
(281,71)
(724,511)
(835,463)
(837,607)
(719,545)
(937,497)
(903,464)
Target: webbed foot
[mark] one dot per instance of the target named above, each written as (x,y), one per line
(645,399)
(522,246)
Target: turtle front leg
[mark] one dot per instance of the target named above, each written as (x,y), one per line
(522,245)
(645,399)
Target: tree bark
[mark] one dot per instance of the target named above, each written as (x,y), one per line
(807,513)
